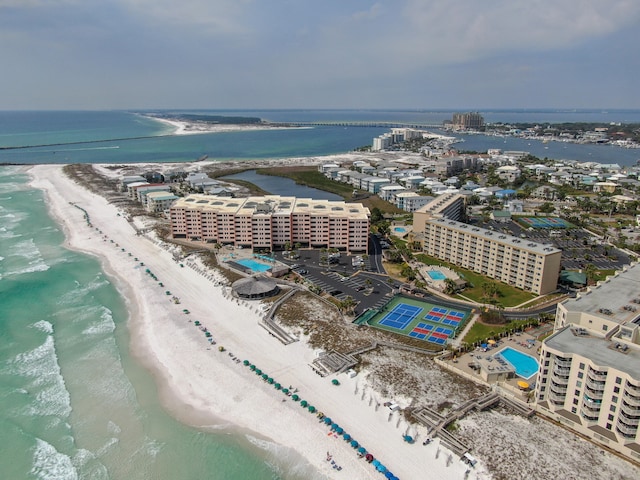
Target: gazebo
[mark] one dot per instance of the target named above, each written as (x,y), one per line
(255,287)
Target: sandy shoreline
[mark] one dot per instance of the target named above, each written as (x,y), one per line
(194,128)
(206,388)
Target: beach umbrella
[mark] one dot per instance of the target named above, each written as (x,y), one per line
(339,430)
(269,380)
(375,463)
(382,468)
(483,345)
(334,426)
(265,376)
(362,450)
(277,386)
(389,475)
(312,409)
(369,458)
(295,398)
(327,420)
(335,381)
(252,367)
(354,444)
(304,403)
(207,334)
(346,437)
(408,438)
(258,371)
(285,390)
(244,362)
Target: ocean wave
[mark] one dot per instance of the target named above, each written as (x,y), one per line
(50,464)
(27,249)
(72,297)
(46,384)
(284,461)
(105,325)
(44,326)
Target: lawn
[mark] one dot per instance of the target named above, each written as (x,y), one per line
(481,332)
(509,296)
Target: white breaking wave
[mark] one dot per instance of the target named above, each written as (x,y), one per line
(35,262)
(50,464)
(44,326)
(284,460)
(105,325)
(41,367)
(72,296)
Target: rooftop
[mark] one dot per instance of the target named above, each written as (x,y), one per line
(601,351)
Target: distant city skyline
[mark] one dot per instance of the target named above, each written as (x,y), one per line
(242,54)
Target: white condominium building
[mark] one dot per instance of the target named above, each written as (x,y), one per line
(271,221)
(589,377)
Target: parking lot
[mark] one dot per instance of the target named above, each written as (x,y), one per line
(579,247)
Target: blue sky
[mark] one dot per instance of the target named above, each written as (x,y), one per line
(112,54)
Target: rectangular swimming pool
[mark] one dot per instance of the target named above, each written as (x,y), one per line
(253,265)
(526,366)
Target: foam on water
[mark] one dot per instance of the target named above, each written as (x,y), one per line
(44,326)
(103,326)
(72,297)
(283,460)
(40,367)
(28,250)
(50,464)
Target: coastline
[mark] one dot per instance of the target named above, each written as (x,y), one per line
(195,128)
(202,386)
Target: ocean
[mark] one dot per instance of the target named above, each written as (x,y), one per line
(126,137)
(75,403)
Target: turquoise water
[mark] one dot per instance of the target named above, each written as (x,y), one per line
(526,366)
(399,229)
(125,137)
(253,265)
(436,275)
(75,404)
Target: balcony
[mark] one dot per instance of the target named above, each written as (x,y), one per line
(632,388)
(562,362)
(562,371)
(592,401)
(630,410)
(596,386)
(556,399)
(560,380)
(631,400)
(597,375)
(593,394)
(629,421)
(558,389)
(627,432)
(588,417)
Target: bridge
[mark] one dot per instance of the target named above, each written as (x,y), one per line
(418,126)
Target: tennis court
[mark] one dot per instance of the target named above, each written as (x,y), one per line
(405,316)
(545,222)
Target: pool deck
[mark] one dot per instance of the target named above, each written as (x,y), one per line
(462,364)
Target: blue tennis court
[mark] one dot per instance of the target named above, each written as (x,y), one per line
(401,316)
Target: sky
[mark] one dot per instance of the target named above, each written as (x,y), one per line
(404,54)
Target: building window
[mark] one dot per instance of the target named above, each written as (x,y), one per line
(575,401)
(577,394)
(618,380)
(574,410)
(579,384)
(605,328)
(580,374)
(608,426)
(614,399)
(610,417)
(581,366)
(612,408)
(616,389)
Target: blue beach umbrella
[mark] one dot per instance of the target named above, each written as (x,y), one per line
(347,437)
(327,420)
(354,444)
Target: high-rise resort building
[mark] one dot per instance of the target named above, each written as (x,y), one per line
(589,378)
(468,120)
(524,264)
(271,222)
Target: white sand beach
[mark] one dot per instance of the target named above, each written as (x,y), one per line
(203,386)
(193,128)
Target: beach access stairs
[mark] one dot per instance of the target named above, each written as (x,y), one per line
(269,324)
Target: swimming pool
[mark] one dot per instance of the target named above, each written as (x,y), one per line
(253,265)
(399,229)
(436,275)
(526,366)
